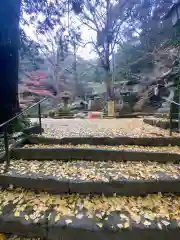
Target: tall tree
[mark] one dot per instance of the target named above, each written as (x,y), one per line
(107,19)
(145,32)
(9,44)
(30,58)
(154,29)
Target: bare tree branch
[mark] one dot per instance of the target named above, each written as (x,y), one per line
(88,25)
(94,21)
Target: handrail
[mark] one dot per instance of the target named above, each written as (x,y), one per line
(171,101)
(171,119)
(5,125)
(20,114)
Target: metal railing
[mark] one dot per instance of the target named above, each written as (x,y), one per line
(170,117)
(5,125)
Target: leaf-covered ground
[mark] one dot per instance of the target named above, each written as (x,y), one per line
(59,128)
(15,237)
(93,171)
(118,212)
(172,149)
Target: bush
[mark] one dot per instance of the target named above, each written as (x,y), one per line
(62,111)
(52,113)
(19,124)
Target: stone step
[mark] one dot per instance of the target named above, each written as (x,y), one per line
(164,149)
(164,124)
(98,153)
(79,217)
(122,178)
(16,237)
(143,141)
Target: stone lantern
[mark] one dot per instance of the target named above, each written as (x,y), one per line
(65,99)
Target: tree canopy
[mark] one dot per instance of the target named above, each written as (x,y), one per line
(130,30)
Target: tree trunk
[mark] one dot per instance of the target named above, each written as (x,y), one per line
(107,54)
(109,92)
(77,92)
(9,59)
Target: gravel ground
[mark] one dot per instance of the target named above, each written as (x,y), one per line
(59,128)
(169,149)
(93,171)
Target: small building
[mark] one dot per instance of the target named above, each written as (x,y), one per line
(96,89)
(127,88)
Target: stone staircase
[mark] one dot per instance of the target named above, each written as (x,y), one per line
(101,188)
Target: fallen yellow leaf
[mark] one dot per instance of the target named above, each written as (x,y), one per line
(166,223)
(147,223)
(17,214)
(2,236)
(99,225)
(126,225)
(79,216)
(123,216)
(120,225)
(159,225)
(68,221)
(99,216)
(10,187)
(57,218)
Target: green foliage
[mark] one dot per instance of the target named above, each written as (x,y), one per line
(50,10)
(174,42)
(131,100)
(141,33)
(52,113)
(77,6)
(174,39)
(64,111)
(60,112)
(30,58)
(131,60)
(19,124)
(154,28)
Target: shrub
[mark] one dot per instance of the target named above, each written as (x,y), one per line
(52,113)
(62,111)
(19,124)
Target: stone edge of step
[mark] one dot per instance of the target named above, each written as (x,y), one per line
(93,154)
(122,140)
(121,188)
(82,228)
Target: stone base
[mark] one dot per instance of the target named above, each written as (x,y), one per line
(164,124)
(33,130)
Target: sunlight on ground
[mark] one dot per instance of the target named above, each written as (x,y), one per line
(100,127)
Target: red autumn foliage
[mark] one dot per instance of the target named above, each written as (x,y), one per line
(36,84)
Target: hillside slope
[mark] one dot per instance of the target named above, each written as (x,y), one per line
(164,59)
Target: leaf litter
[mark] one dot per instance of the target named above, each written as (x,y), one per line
(15,237)
(93,171)
(141,210)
